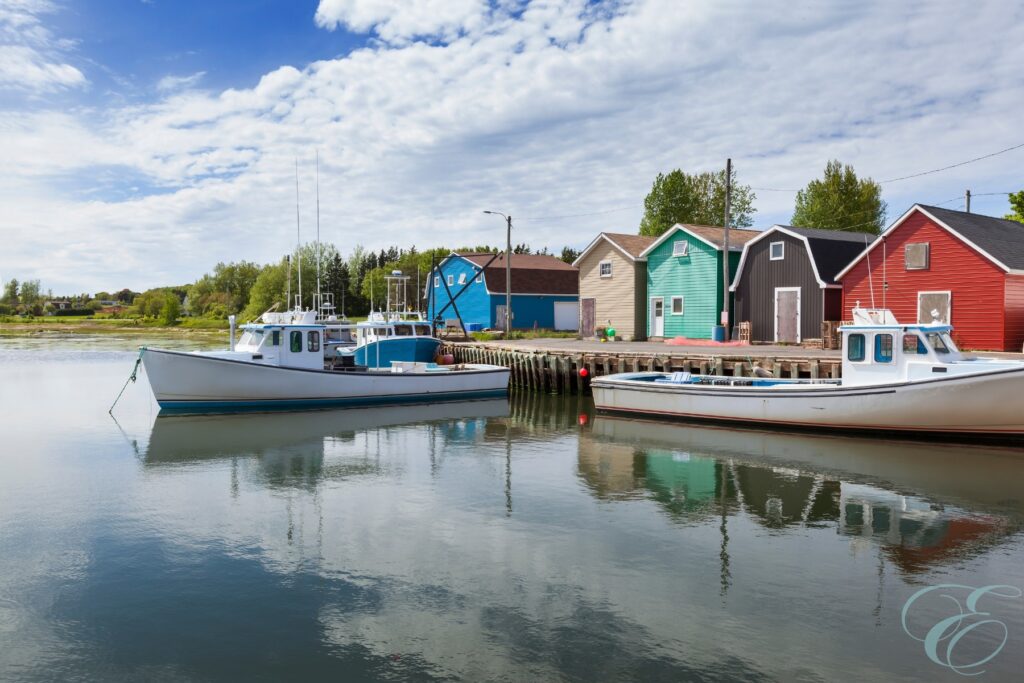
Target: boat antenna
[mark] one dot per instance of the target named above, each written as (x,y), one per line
(288,299)
(871,282)
(318,295)
(298,232)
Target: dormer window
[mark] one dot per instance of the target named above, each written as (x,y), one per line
(681,248)
(605,268)
(916,256)
(777,251)
(451,280)
(437,281)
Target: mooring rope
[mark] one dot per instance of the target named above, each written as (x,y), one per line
(131,379)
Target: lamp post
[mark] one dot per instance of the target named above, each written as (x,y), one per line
(508,270)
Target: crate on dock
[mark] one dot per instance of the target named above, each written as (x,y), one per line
(830,337)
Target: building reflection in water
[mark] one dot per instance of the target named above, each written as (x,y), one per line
(785,480)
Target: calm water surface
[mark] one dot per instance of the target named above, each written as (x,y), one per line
(501,540)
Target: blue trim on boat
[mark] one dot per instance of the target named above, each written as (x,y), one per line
(292,404)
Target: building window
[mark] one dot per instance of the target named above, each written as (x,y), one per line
(479,279)
(605,268)
(295,342)
(681,248)
(451,280)
(855,348)
(462,278)
(677,305)
(916,256)
(437,281)
(883,348)
(777,251)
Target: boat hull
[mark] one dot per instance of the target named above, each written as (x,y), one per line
(197,383)
(987,403)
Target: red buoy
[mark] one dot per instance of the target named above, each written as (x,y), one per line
(583,372)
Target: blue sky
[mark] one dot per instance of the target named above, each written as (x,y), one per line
(145,141)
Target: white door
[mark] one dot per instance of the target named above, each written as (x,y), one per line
(657,316)
(787,314)
(567,315)
(499,317)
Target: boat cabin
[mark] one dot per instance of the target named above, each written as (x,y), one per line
(293,346)
(879,350)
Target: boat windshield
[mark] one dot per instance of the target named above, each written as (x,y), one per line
(941,342)
(423,330)
(251,338)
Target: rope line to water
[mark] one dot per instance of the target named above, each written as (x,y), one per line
(131,379)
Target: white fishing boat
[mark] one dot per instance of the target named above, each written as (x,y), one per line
(895,378)
(283,363)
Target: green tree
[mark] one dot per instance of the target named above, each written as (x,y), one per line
(1017,204)
(840,201)
(170,310)
(699,199)
(569,254)
(268,290)
(11,293)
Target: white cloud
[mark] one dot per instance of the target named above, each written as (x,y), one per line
(30,56)
(403,19)
(554,111)
(169,83)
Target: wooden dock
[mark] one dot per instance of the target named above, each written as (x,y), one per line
(555,368)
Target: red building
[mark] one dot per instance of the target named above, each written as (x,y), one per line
(936,264)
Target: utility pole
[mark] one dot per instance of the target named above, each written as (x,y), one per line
(508,278)
(968,201)
(508,270)
(725,249)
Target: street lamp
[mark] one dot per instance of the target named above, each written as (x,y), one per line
(508,271)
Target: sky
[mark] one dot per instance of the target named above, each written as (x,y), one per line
(143,141)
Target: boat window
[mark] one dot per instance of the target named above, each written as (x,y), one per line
(855,347)
(275,338)
(883,348)
(938,342)
(245,338)
(403,330)
(913,344)
(295,342)
(423,330)
(314,341)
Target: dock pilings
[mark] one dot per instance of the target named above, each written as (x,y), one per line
(558,372)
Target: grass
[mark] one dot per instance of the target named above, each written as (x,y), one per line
(523,334)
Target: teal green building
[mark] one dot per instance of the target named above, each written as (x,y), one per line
(685,284)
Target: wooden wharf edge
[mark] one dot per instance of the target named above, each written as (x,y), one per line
(557,370)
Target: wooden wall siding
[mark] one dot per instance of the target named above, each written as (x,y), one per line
(755,292)
(1014,302)
(697,277)
(640,301)
(615,296)
(976,283)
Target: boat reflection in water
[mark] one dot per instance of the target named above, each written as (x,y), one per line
(291,443)
(924,504)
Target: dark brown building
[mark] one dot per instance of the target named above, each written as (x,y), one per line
(785,283)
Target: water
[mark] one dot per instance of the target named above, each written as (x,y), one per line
(489,541)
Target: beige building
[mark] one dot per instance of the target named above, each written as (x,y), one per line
(613,285)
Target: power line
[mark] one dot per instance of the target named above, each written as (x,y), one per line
(577,215)
(946,168)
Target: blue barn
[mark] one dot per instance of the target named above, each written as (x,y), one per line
(545,291)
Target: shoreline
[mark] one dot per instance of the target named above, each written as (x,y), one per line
(95,327)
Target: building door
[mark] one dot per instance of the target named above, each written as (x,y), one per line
(588,317)
(657,316)
(499,317)
(933,307)
(567,316)
(787,315)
